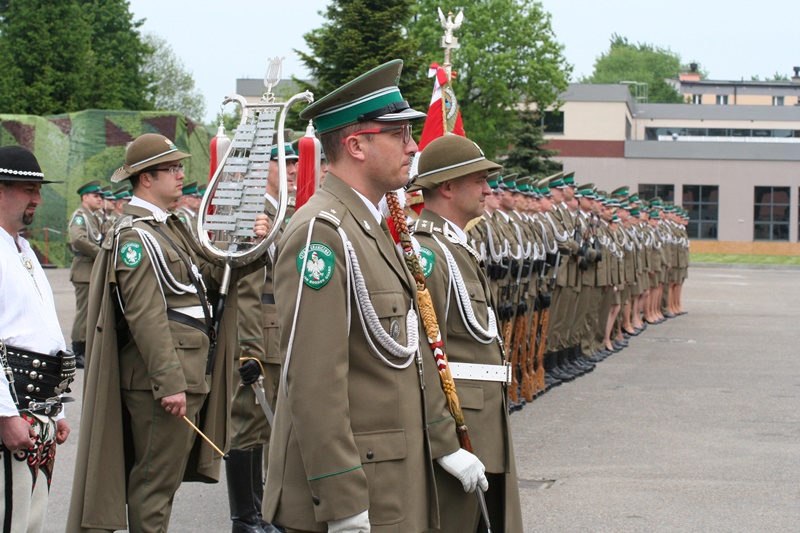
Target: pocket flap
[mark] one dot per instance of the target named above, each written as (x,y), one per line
(470,397)
(380,446)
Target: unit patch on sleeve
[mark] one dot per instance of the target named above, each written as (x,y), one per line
(426,260)
(319,265)
(131,254)
(78,220)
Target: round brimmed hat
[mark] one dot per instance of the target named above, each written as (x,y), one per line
(19,164)
(447,158)
(190,189)
(371,96)
(147,151)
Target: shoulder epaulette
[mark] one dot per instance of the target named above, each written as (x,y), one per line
(333,215)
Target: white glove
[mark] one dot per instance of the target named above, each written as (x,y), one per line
(352,524)
(467,468)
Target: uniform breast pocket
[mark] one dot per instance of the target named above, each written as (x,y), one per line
(391,308)
(383,456)
(175,264)
(191,346)
(477,299)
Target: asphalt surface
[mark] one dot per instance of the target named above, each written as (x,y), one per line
(695,427)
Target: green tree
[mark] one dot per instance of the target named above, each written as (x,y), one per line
(508,56)
(641,63)
(527,157)
(118,56)
(173,87)
(45,55)
(358,36)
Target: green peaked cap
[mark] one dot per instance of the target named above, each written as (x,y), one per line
(372,96)
(92,186)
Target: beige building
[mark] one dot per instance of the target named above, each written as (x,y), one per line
(735,168)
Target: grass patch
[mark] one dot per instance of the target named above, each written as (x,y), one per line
(745,259)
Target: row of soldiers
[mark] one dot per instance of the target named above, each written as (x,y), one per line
(576,272)
(98,211)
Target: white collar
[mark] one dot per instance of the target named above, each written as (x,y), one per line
(372,208)
(159,214)
(457,231)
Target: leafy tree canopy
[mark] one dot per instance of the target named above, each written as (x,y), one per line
(173,87)
(508,56)
(641,63)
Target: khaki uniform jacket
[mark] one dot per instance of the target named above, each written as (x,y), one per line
(563,224)
(85,238)
(483,402)
(351,433)
(163,356)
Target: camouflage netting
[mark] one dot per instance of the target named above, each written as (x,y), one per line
(90,145)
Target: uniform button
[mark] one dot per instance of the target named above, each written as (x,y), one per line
(394,308)
(315,500)
(99,328)
(370,455)
(472,295)
(156,387)
(180,342)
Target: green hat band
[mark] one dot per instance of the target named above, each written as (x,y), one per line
(90,188)
(556,183)
(123,194)
(388,100)
(290,153)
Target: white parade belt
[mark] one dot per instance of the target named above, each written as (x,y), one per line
(194,311)
(501,373)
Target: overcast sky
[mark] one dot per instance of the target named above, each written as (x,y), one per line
(221,41)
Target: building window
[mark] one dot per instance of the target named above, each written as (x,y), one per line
(722,99)
(697,99)
(702,204)
(553,122)
(665,192)
(777,100)
(771,216)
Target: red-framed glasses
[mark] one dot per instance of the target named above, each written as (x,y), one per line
(406,128)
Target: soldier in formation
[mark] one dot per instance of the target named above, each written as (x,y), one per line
(576,272)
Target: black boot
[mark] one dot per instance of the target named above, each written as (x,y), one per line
(578,359)
(79,349)
(246,490)
(560,371)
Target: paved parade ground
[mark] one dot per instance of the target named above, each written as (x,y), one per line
(694,427)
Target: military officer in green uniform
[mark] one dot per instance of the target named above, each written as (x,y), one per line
(150,362)
(86,227)
(355,429)
(452,174)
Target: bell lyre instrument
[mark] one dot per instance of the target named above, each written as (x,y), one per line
(235,194)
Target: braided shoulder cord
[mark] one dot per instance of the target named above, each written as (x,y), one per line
(465,305)
(429,320)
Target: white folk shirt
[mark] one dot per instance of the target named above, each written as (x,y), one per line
(27,310)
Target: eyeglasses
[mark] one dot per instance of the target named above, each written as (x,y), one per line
(406,129)
(172,170)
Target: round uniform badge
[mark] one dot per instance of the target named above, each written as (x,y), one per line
(78,220)
(426,260)
(319,265)
(131,254)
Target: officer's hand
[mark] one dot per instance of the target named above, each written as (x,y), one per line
(16,433)
(250,371)
(263,225)
(467,468)
(352,524)
(62,431)
(175,404)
